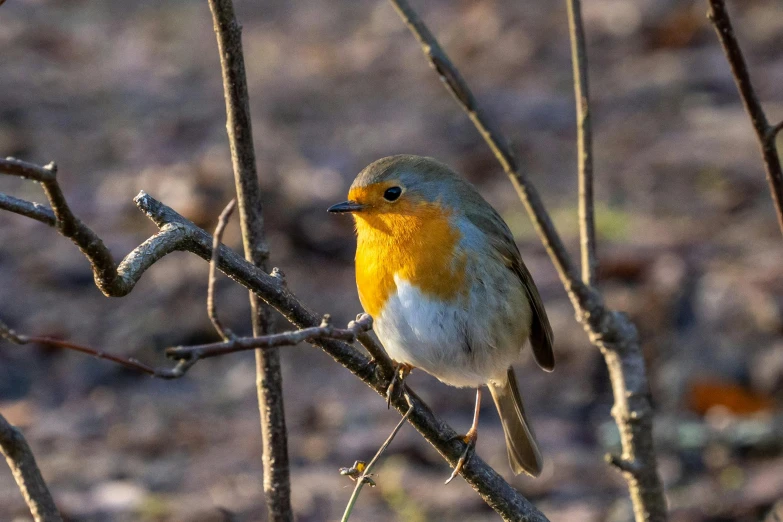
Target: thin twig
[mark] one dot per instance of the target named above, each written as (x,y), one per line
(188,356)
(26,473)
(584,142)
(162,373)
(269,377)
(178,234)
(612,332)
(364,477)
(240,344)
(224,332)
(765,133)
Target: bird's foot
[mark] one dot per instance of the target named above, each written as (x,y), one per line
(401,371)
(470,439)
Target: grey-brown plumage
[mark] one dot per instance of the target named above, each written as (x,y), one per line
(523,453)
(541,337)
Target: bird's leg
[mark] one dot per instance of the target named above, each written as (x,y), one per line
(470,439)
(401,371)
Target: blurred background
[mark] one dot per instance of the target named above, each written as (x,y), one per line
(127,96)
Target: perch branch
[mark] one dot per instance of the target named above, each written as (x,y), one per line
(584,142)
(224,333)
(26,473)
(269,377)
(364,476)
(178,234)
(765,133)
(612,332)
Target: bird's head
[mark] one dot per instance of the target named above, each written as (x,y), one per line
(402,186)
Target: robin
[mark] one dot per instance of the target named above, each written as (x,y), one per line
(438,270)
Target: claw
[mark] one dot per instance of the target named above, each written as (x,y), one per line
(470,439)
(401,371)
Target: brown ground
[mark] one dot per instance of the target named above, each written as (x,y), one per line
(127,96)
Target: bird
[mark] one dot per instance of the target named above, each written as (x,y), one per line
(438,270)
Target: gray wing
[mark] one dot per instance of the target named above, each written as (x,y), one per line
(501,239)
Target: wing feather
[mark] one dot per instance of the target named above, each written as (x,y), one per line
(502,241)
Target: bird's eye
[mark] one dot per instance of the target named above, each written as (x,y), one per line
(392,193)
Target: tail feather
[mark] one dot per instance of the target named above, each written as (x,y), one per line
(523,453)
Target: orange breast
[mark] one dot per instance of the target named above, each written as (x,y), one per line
(418,245)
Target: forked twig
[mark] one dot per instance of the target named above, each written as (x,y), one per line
(111,279)
(765,133)
(364,477)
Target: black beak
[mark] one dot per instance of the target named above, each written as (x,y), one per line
(345,206)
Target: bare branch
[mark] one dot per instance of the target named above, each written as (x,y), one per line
(25,170)
(113,280)
(584,141)
(765,133)
(69,225)
(162,373)
(225,333)
(29,209)
(364,477)
(269,377)
(179,234)
(188,356)
(26,473)
(612,332)
(363,323)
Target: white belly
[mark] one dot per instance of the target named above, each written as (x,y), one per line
(464,343)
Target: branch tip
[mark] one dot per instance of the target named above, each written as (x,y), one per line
(623,465)
(278,274)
